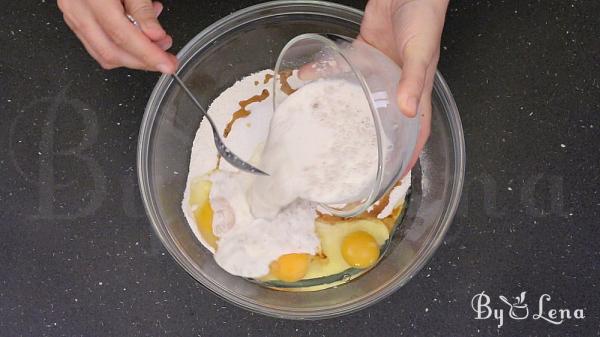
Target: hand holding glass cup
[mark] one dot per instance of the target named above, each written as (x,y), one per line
(331,56)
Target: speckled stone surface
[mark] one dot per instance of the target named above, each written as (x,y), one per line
(78,257)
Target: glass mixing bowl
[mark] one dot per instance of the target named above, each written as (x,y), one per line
(245,42)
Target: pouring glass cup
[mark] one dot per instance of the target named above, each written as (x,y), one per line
(332,56)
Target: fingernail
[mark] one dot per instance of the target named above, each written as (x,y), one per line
(164,68)
(153,30)
(412,104)
(165,44)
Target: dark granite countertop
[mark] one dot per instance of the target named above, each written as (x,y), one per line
(78,256)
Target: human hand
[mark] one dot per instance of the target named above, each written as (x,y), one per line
(409,32)
(111,39)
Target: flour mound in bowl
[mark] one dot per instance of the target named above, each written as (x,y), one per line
(270,228)
(322,147)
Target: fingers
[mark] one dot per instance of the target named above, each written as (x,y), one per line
(417,59)
(113,41)
(424,131)
(97,43)
(425,116)
(158,8)
(417,27)
(307,72)
(144,12)
(326,66)
(166,42)
(130,39)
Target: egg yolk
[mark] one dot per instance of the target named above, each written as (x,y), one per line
(360,249)
(204,217)
(290,267)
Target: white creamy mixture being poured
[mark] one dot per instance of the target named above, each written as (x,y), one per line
(318,147)
(321,147)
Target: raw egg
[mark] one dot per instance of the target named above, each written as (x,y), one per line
(290,267)
(360,249)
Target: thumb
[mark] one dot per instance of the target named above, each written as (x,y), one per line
(412,82)
(144,12)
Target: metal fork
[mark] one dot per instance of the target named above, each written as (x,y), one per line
(223,150)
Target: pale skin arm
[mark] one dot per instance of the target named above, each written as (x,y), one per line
(111,39)
(408,31)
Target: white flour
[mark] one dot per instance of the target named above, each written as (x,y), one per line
(322,147)
(248,244)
